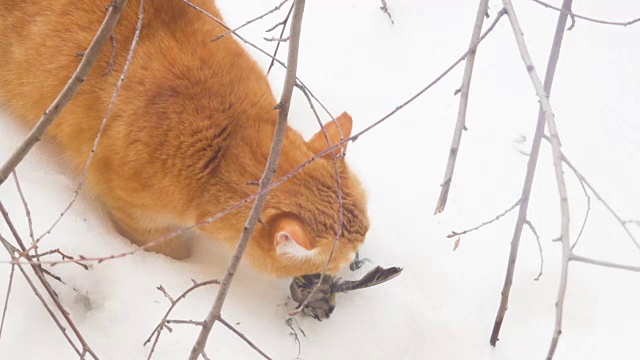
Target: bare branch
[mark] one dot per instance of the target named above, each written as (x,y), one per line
(567,11)
(531,166)
(462,107)
(545,105)
(89,58)
(265,181)
(604,263)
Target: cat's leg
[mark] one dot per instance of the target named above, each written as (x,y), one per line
(141,230)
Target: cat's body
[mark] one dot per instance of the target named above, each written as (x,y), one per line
(190,131)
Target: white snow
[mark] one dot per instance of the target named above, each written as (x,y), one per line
(443,305)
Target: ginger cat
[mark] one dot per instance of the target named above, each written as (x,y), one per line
(190,131)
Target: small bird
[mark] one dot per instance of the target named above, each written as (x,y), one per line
(323,300)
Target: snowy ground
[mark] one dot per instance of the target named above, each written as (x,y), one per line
(443,305)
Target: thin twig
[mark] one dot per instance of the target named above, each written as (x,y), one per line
(265,181)
(25,205)
(6,299)
(62,255)
(241,335)
(250,21)
(535,233)
(284,27)
(103,124)
(496,218)
(531,170)
(604,263)
(89,58)
(462,108)
(572,14)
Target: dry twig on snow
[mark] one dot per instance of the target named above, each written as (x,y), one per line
(603,263)
(157,331)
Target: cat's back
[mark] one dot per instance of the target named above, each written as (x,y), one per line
(183,94)
(176,68)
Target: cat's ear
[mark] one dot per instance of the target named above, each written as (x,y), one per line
(336,131)
(291,237)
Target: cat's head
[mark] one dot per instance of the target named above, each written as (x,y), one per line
(301,218)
